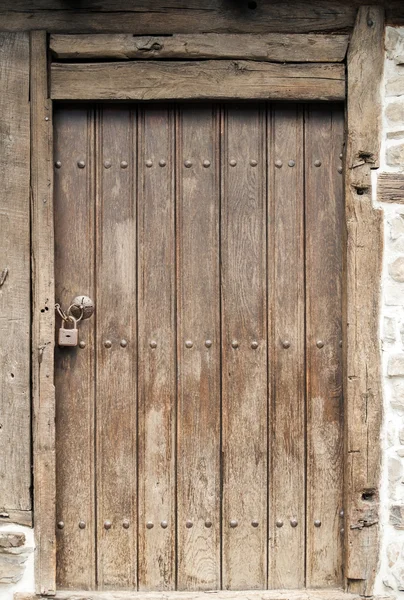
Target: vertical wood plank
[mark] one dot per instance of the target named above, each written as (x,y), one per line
(15,453)
(157,364)
(43,317)
(324,215)
(286,290)
(198,427)
(244,349)
(74,367)
(116,342)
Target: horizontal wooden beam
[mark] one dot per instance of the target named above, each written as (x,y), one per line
(16,517)
(273,47)
(216,80)
(390,187)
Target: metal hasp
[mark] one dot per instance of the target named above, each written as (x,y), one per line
(82,305)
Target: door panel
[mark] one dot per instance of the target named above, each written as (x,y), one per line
(199,423)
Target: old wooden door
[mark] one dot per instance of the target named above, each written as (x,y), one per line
(199,422)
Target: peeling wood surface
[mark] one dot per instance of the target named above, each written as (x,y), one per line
(390,187)
(363,397)
(15,308)
(275,47)
(216,80)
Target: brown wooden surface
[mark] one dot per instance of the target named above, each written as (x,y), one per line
(324,130)
(221,595)
(157,365)
(198,315)
(74,367)
(363,397)
(286,483)
(15,442)
(157,17)
(198,80)
(275,47)
(20,517)
(43,323)
(390,187)
(115,377)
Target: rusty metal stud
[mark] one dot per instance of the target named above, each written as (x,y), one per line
(189,344)
(149,163)
(254,523)
(341,156)
(341,513)
(188,524)
(124,343)
(293,522)
(208,343)
(82,525)
(82,344)
(162,162)
(164,524)
(253,162)
(124,164)
(286,344)
(317,523)
(291,163)
(320,344)
(317,163)
(125,524)
(81,164)
(188,164)
(149,525)
(339,169)
(278,164)
(107,524)
(58,164)
(254,345)
(108,343)
(340,343)
(233,523)
(232,162)
(279,523)
(60,525)
(235,344)
(107,164)
(206,163)
(153,344)
(208,523)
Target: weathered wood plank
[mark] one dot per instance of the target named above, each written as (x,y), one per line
(157,338)
(324,206)
(116,364)
(20,517)
(390,187)
(43,317)
(275,47)
(213,80)
(363,397)
(15,453)
(198,314)
(286,290)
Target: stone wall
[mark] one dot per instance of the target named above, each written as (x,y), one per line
(16,560)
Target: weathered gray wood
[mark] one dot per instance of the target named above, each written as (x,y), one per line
(363,397)
(15,452)
(43,316)
(197,80)
(275,47)
(390,187)
(21,517)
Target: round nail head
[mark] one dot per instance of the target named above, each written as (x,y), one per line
(317,163)
(107,164)
(162,162)
(208,343)
(233,162)
(124,164)
(153,344)
(293,522)
(317,523)
(278,164)
(82,344)
(81,164)
(107,525)
(235,344)
(279,524)
(164,524)
(124,343)
(320,344)
(108,343)
(291,163)
(254,523)
(125,524)
(61,525)
(149,525)
(254,345)
(208,524)
(149,163)
(188,524)
(188,164)
(58,164)
(82,525)
(233,523)
(253,162)
(189,344)
(286,344)
(206,163)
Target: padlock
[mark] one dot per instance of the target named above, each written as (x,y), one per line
(69,337)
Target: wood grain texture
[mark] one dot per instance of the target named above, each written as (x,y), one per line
(363,397)
(198,80)
(221,595)
(43,322)
(15,433)
(275,47)
(390,187)
(74,367)
(244,349)
(324,211)
(157,343)
(156,17)
(287,363)
(20,517)
(115,379)
(198,314)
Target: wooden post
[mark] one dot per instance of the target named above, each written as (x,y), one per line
(42,318)
(363,396)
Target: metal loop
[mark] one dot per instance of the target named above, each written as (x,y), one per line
(69,313)
(61,312)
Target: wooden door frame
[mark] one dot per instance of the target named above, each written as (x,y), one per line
(362,363)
